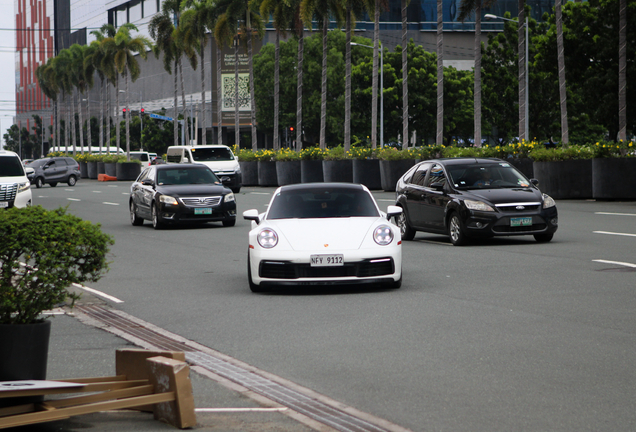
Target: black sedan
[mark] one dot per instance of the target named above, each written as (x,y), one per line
(468,197)
(180,193)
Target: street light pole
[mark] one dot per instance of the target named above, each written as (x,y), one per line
(527,80)
(381,90)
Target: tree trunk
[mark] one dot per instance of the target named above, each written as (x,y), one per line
(109,116)
(439,139)
(561,64)
(73,137)
(88,120)
(276,90)
(323,95)
(237,130)
(522,69)
(203,110)
(219,96)
(117,125)
(374,81)
(175,121)
(183,101)
(101,116)
(81,122)
(347,125)
(405,76)
(622,71)
(128,115)
(477,84)
(299,92)
(252,98)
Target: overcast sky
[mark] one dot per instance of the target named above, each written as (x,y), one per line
(7,66)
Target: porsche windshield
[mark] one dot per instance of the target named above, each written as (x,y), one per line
(212,154)
(323,203)
(486,176)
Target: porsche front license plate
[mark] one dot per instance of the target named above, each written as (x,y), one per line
(521,221)
(202,211)
(326,260)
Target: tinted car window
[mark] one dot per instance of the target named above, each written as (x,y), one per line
(182,176)
(328,203)
(436,175)
(420,174)
(11,167)
(140,156)
(38,163)
(475,176)
(211,154)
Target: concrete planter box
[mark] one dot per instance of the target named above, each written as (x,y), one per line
(311,171)
(267,173)
(249,173)
(614,178)
(128,171)
(367,172)
(92,170)
(337,170)
(568,179)
(288,172)
(392,170)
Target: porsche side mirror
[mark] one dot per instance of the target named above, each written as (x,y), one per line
(251,215)
(392,211)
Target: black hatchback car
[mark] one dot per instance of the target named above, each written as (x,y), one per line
(468,197)
(182,193)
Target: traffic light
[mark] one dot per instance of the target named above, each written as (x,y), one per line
(291,129)
(124,111)
(143,111)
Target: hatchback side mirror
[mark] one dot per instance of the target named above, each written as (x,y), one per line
(438,186)
(534,182)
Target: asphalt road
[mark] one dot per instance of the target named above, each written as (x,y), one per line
(503,335)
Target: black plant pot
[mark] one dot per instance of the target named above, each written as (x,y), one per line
(614,178)
(311,171)
(568,179)
(367,172)
(249,173)
(288,172)
(25,350)
(83,169)
(525,165)
(392,170)
(110,168)
(92,170)
(267,173)
(127,171)
(101,168)
(340,170)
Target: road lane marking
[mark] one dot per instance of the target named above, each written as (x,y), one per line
(615,262)
(97,191)
(615,214)
(110,203)
(98,293)
(614,233)
(260,193)
(73,199)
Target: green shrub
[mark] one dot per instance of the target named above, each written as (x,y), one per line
(391,153)
(361,153)
(312,153)
(335,153)
(286,154)
(245,155)
(42,253)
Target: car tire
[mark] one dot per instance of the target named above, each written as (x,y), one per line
(71,181)
(456,230)
(156,223)
(229,222)
(53,184)
(39,182)
(396,284)
(543,238)
(405,228)
(134,219)
(253,287)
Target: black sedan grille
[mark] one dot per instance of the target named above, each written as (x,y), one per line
(362,269)
(201,201)
(8,191)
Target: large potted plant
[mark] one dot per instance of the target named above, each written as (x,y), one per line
(249,167)
(614,170)
(564,172)
(287,166)
(394,163)
(128,170)
(92,160)
(365,167)
(311,165)
(42,253)
(336,166)
(110,164)
(266,168)
(81,159)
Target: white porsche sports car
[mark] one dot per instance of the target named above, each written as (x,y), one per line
(323,234)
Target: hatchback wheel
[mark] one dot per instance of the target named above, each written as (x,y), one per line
(456,231)
(405,229)
(134,219)
(229,222)
(543,238)
(156,223)
(53,184)
(72,180)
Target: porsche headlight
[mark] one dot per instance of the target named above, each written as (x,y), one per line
(478,205)
(229,197)
(548,201)
(23,186)
(168,200)
(383,235)
(267,238)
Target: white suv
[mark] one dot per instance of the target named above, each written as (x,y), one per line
(15,189)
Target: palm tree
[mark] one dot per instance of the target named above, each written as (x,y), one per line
(522,69)
(323,9)
(439,139)
(405,73)
(45,75)
(282,14)
(376,62)
(622,70)
(561,66)
(162,30)
(123,47)
(465,9)
(62,67)
(196,19)
(78,79)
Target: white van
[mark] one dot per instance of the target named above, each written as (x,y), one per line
(15,188)
(143,157)
(219,158)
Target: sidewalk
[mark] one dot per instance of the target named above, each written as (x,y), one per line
(78,350)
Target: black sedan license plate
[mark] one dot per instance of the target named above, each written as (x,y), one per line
(521,221)
(326,260)
(202,211)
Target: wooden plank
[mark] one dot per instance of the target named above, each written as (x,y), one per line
(63,413)
(169,375)
(91,387)
(99,397)
(93,379)
(131,362)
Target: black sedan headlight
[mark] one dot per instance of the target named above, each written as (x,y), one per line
(168,200)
